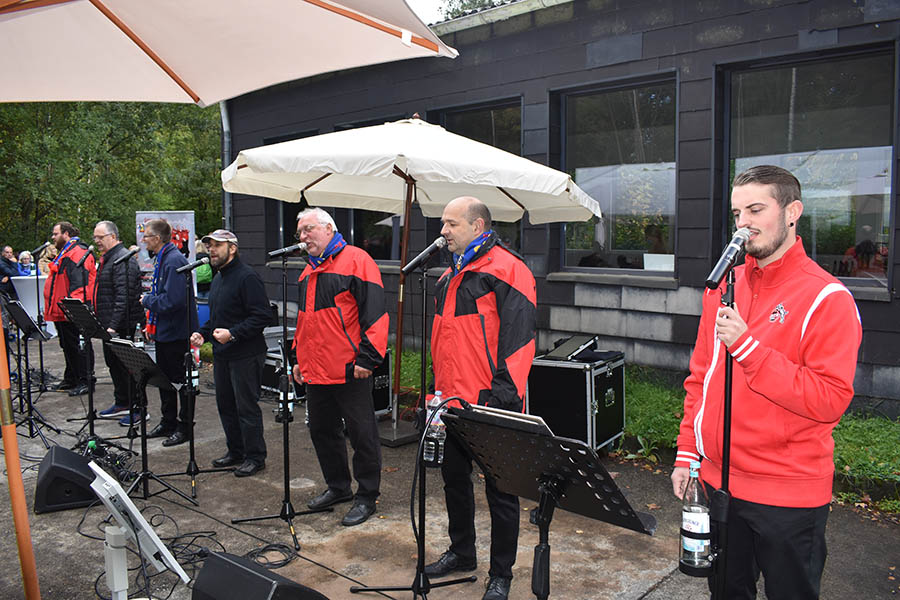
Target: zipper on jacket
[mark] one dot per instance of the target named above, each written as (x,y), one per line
(344,327)
(487,350)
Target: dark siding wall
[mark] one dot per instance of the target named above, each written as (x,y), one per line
(531,56)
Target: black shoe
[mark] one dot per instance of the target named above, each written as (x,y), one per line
(497,589)
(358,514)
(248,468)
(79,390)
(179,437)
(448,563)
(228,460)
(159,431)
(65,385)
(327,498)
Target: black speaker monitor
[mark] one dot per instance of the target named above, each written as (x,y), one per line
(64,482)
(225,576)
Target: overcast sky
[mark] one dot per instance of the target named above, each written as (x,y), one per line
(428,10)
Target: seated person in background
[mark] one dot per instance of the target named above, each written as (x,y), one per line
(26,264)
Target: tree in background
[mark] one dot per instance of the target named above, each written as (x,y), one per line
(457,8)
(88,161)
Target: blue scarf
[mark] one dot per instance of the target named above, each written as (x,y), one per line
(336,244)
(152,317)
(69,244)
(461,260)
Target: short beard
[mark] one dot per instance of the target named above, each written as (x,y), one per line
(764,252)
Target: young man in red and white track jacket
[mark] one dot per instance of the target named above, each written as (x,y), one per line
(794,334)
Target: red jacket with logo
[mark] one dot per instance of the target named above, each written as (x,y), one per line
(792,381)
(483,337)
(66,280)
(341,318)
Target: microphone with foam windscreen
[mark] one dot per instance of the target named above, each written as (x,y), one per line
(281,251)
(193,265)
(39,249)
(728,258)
(424,254)
(126,256)
(80,263)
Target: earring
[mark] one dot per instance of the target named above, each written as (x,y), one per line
(791,224)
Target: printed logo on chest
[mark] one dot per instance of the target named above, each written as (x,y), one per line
(778,314)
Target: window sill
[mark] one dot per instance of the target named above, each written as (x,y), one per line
(606,278)
(869,293)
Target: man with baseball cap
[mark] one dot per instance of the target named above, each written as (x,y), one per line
(238,313)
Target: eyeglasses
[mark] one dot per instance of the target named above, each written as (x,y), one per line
(97,238)
(307,228)
(150,235)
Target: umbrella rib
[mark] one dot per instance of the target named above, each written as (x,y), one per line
(315,182)
(516,202)
(419,41)
(146,49)
(11,6)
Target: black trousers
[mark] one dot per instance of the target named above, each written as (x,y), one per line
(237,398)
(170,359)
(78,365)
(460,497)
(786,544)
(326,406)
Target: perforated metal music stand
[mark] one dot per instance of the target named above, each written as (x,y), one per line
(145,372)
(524,458)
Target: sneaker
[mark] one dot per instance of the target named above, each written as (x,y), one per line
(126,420)
(113,412)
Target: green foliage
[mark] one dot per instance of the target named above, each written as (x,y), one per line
(457,8)
(866,452)
(89,161)
(410,370)
(206,353)
(654,405)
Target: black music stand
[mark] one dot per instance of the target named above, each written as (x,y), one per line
(145,372)
(85,320)
(523,457)
(28,329)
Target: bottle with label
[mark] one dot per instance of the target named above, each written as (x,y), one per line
(695,554)
(433,454)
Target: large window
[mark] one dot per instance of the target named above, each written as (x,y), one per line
(498,125)
(830,123)
(619,146)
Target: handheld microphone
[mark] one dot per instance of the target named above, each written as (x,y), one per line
(728,258)
(193,265)
(80,263)
(39,249)
(301,247)
(126,256)
(437,244)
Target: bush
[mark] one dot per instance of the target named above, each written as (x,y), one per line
(867,457)
(654,405)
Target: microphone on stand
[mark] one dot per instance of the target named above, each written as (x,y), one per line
(301,247)
(728,258)
(39,249)
(193,265)
(80,262)
(437,244)
(126,256)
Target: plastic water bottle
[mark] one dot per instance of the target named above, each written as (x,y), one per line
(433,454)
(695,554)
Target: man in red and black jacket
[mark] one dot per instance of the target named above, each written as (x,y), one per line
(482,347)
(341,338)
(68,280)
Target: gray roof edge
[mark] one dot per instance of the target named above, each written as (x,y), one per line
(492,15)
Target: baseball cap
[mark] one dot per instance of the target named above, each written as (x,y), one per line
(220,235)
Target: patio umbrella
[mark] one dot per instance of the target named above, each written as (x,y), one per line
(199,51)
(383,167)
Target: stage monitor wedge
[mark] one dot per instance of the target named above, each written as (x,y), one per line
(225,576)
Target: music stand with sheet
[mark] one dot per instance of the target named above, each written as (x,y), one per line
(524,458)
(27,330)
(145,372)
(85,320)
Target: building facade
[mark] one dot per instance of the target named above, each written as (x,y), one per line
(652,106)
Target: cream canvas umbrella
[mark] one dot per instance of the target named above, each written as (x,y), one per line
(199,51)
(384,167)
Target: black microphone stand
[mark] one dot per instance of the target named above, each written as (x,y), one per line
(38,299)
(421,585)
(188,393)
(287,513)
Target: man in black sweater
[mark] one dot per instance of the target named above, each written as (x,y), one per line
(238,313)
(117,289)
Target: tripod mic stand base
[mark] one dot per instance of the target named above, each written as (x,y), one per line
(420,587)
(393,437)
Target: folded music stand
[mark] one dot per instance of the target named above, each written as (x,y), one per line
(523,457)
(145,372)
(27,330)
(85,320)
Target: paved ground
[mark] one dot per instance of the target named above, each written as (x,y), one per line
(590,560)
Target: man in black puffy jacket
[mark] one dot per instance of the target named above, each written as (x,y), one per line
(117,288)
